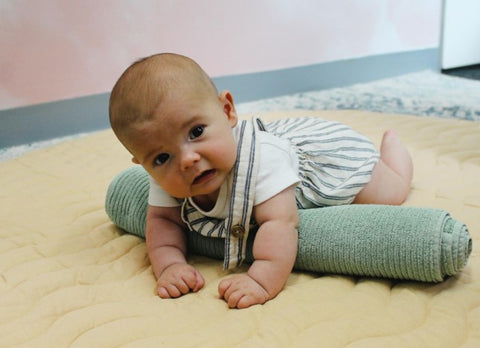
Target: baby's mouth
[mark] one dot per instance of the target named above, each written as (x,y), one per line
(204,176)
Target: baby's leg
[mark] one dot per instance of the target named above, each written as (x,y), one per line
(391,177)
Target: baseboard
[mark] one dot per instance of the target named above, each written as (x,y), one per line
(85,114)
(341,73)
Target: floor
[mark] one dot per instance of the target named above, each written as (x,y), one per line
(469,72)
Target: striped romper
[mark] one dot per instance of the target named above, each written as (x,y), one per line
(335,162)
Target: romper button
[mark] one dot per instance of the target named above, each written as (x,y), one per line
(238,231)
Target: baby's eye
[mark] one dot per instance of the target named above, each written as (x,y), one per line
(196,131)
(161,159)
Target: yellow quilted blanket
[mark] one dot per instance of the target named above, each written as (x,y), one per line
(70,278)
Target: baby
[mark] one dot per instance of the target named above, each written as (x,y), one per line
(215,174)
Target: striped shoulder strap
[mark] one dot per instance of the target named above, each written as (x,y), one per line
(236,226)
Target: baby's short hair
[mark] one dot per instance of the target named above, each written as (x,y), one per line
(144,84)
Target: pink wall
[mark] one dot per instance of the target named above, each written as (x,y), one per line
(56,49)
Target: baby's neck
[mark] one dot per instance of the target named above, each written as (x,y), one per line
(206,202)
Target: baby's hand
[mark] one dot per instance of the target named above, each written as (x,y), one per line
(242,291)
(179,279)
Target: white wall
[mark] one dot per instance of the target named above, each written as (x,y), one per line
(461,33)
(56,49)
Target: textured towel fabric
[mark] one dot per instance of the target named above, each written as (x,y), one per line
(383,241)
(365,240)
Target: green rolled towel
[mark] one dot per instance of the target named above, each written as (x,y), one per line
(365,240)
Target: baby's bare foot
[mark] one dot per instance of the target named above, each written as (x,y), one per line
(395,155)
(392,175)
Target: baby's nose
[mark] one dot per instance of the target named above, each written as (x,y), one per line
(189,158)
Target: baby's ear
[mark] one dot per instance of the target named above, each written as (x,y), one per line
(135,160)
(226,99)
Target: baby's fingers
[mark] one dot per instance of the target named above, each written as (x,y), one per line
(234,298)
(172,290)
(247,301)
(223,287)
(199,282)
(193,280)
(241,291)
(229,292)
(183,284)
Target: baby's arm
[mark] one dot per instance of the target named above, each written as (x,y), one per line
(274,251)
(166,246)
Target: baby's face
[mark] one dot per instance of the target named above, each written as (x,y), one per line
(188,147)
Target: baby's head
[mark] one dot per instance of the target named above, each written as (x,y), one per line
(167,112)
(150,81)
